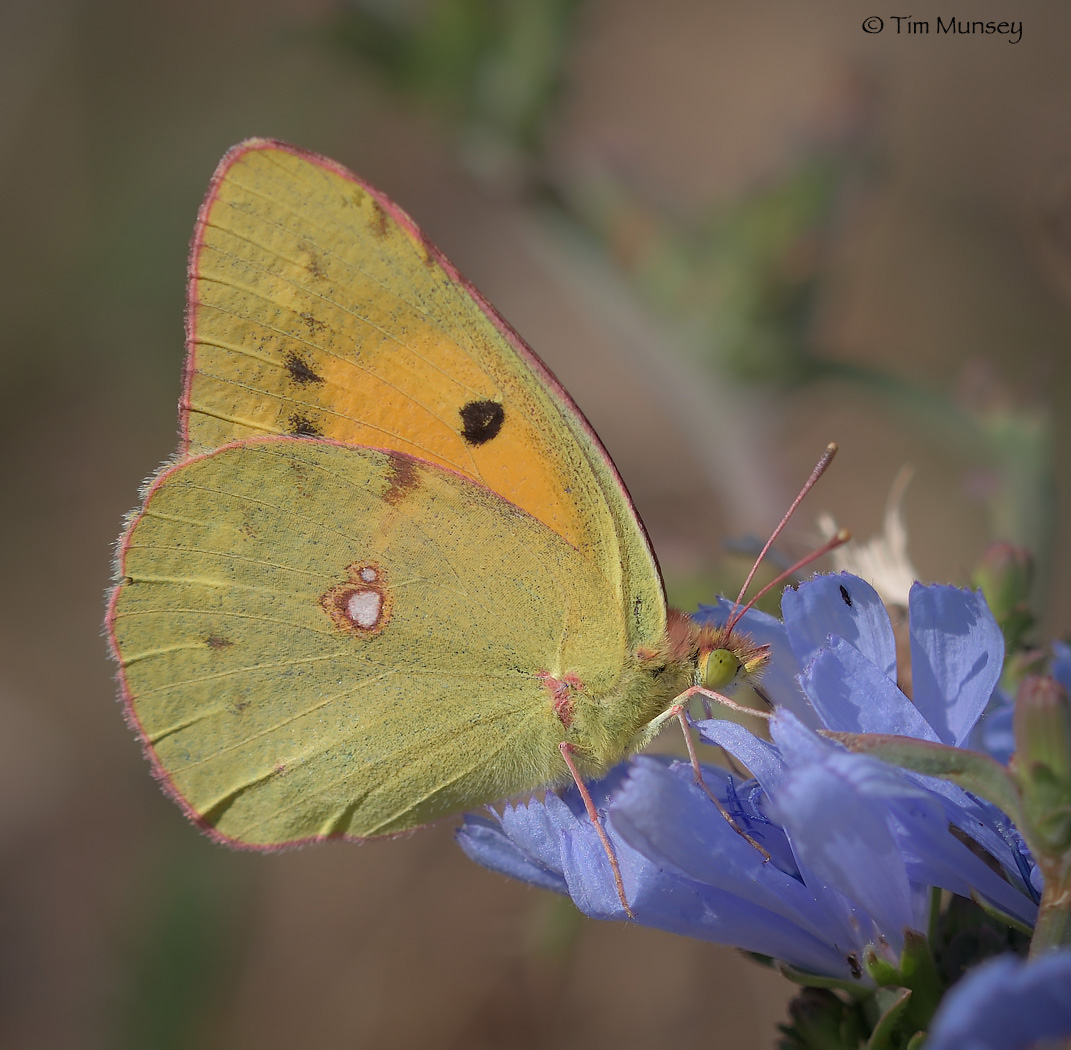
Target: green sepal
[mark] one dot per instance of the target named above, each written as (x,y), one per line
(1042,722)
(919,973)
(1019,664)
(975,772)
(1047,798)
(915,971)
(1006,576)
(1001,916)
(882,972)
(893,1005)
(855,989)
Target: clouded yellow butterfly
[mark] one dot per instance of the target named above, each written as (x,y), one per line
(391,573)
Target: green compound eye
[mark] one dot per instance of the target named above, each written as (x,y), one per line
(718,669)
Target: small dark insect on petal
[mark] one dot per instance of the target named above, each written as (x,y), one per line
(845,595)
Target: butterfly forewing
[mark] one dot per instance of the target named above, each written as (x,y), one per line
(317,309)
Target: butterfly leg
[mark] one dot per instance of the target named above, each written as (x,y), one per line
(678,710)
(567,750)
(724,701)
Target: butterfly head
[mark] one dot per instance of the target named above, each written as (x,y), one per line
(726,656)
(717,658)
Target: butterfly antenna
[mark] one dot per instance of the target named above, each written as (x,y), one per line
(831,544)
(819,469)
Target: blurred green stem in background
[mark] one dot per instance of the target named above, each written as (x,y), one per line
(490,69)
(181,959)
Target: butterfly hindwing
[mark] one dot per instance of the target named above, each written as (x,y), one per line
(310,648)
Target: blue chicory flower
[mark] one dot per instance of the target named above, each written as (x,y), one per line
(854,845)
(1006,1004)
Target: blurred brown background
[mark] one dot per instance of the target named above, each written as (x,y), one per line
(947,263)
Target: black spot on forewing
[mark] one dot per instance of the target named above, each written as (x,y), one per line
(300,370)
(301,426)
(845,595)
(481,421)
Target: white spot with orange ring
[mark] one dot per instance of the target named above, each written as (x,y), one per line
(362,605)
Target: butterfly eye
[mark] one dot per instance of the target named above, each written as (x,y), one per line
(717,669)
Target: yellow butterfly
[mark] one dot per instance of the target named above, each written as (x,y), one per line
(391,573)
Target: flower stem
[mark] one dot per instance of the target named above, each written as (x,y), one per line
(1053,928)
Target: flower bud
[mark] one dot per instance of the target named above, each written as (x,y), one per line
(820,1021)
(1042,722)
(1005,575)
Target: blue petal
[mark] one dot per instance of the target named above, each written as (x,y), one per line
(1061,664)
(589,875)
(764,762)
(840,831)
(668,819)
(844,605)
(935,857)
(986,825)
(995,734)
(924,807)
(488,844)
(957,653)
(671,821)
(1006,1004)
(761,758)
(852,695)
